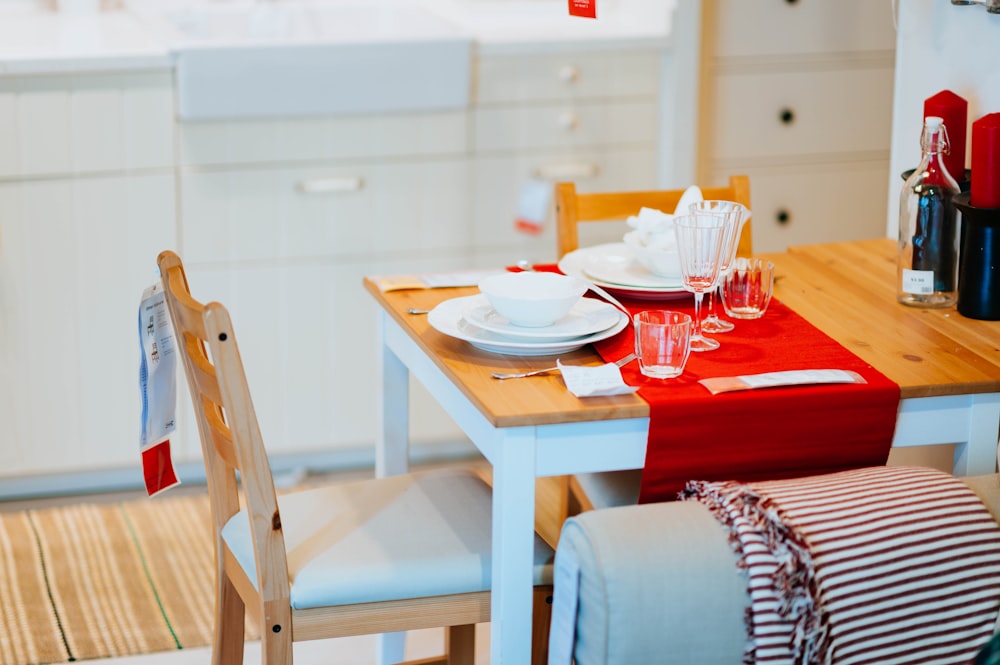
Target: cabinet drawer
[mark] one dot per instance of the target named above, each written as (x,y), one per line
(792,113)
(821,203)
(743,28)
(323,138)
(562,126)
(323,212)
(558,76)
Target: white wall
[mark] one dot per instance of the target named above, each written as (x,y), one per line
(939,46)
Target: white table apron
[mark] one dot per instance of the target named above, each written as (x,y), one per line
(520,454)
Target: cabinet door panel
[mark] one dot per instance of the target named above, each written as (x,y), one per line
(816,203)
(85,124)
(74,259)
(832,112)
(337,211)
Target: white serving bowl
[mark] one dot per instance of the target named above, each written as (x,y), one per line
(532,299)
(656,252)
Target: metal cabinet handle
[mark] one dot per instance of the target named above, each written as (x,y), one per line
(568,121)
(330,185)
(569,73)
(567,171)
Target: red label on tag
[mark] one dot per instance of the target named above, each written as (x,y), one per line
(158,468)
(584,8)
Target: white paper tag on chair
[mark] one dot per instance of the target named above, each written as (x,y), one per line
(158,388)
(601,381)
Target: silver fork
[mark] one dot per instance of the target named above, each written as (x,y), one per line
(621,362)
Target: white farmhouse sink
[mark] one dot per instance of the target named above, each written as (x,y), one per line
(289,58)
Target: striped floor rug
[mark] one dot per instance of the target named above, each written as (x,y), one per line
(102,580)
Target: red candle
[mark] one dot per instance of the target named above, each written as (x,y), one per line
(985,188)
(954,111)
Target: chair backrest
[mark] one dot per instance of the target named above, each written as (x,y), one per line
(573,208)
(227,424)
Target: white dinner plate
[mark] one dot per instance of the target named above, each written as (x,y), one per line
(576,263)
(587,317)
(620,269)
(447,318)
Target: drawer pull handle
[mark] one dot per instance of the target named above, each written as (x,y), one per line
(569,74)
(567,171)
(787,116)
(330,185)
(783,217)
(568,121)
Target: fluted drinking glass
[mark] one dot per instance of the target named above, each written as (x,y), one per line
(700,240)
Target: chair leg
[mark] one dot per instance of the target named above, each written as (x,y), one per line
(460,643)
(541,623)
(230,613)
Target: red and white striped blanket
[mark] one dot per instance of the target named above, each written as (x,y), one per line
(877,565)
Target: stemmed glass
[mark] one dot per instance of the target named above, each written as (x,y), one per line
(700,241)
(735,216)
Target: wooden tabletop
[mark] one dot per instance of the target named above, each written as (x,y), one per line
(845,289)
(848,290)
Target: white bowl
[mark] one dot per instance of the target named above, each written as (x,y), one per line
(532,299)
(658,254)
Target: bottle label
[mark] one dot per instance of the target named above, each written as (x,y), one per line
(918,282)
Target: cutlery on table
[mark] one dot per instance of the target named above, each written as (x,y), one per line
(414,310)
(621,362)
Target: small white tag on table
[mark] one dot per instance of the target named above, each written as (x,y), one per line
(725,384)
(602,381)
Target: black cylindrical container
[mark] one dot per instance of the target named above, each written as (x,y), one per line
(978,261)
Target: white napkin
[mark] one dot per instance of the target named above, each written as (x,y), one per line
(655,227)
(601,381)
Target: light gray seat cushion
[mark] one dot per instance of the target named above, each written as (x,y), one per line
(405,536)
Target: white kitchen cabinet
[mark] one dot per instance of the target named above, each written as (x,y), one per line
(798,95)
(281,219)
(592,117)
(86,202)
(75,255)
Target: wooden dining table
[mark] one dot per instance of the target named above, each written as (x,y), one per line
(947,367)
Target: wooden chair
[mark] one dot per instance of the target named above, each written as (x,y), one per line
(573,208)
(618,488)
(401,553)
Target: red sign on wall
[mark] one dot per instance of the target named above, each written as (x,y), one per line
(584,8)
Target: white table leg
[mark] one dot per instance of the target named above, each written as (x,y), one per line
(978,455)
(392,400)
(392,451)
(513,546)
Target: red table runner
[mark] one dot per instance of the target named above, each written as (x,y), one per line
(760,434)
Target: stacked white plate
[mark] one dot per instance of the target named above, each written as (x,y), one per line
(614,267)
(473,319)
